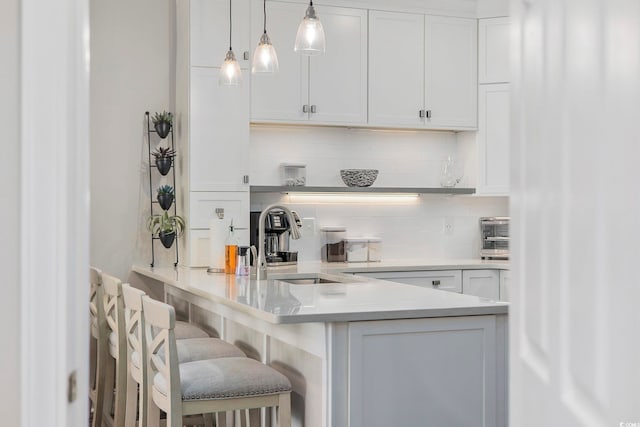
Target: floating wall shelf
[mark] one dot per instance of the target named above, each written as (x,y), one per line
(381,190)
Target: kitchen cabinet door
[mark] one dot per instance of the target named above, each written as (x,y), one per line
(493,50)
(493,140)
(338,79)
(451,82)
(444,280)
(280,96)
(396,68)
(329,88)
(219,133)
(209,32)
(481,283)
(505,285)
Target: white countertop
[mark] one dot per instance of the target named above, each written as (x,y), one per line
(360,299)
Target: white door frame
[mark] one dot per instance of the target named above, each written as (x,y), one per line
(54,210)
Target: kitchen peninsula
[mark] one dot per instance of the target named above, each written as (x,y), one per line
(359,351)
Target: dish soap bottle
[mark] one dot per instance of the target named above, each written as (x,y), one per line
(230,252)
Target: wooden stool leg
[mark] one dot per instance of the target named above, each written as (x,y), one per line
(153,414)
(132,402)
(284,410)
(121,392)
(109,384)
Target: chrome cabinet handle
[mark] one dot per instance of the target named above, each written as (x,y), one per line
(421,114)
(427,114)
(313,108)
(245,55)
(435,282)
(305,108)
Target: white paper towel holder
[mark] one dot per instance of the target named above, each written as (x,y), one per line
(220,214)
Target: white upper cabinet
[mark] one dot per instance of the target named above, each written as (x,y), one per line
(396,68)
(219,133)
(493,140)
(209,32)
(422,71)
(493,51)
(329,88)
(451,84)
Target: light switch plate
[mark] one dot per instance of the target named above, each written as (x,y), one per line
(308,226)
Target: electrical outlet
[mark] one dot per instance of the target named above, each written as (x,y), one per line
(308,226)
(448,226)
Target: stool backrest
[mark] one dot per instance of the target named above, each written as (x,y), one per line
(114,310)
(96,309)
(160,321)
(134,321)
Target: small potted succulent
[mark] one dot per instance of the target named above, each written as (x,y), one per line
(162,123)
(166,227)
(164,158)
(165,196)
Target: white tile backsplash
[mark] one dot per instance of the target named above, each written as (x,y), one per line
(405,159)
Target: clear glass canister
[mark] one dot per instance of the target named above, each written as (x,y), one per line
(333,249)
(375,249)
(357,249)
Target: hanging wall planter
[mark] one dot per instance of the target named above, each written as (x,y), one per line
(165,196)
(163,159)
(162,123)
(166,227)
(167,238)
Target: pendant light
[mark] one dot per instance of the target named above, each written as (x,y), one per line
(265,59)
(230,74)
(310,38)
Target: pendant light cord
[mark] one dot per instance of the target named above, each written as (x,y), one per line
(230,23)
(264,8)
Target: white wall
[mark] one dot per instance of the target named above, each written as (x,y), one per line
(131,72)
(404,159)
(10,214)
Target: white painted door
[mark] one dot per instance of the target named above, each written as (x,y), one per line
(209,32)
(280,96)
(451,71)
(481,283)
(53,183)
(493,50)
(219,133)
(494,139)
(338,79)
(396,68)
(575,212)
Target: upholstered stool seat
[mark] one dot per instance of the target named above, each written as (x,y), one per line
(225,378)
(197,349)
(185,330)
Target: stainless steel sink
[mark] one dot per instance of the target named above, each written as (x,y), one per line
(308,281)
(312,279)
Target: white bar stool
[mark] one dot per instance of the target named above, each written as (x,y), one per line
(98,346)
(189,349)
(204,386)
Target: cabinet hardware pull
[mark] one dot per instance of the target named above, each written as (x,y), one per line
(427,114)
(245,179)
(435,282)
(245,55)
(421,114)
(305,108)
(313,108)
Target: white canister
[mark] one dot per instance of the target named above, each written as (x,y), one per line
(218,232)
(356,249)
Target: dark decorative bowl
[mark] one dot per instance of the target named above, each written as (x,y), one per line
(359,177)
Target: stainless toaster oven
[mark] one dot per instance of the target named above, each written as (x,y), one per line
(494,232)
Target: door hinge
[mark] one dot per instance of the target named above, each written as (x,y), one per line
(72,387)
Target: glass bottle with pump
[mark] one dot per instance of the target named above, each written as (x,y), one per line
(230,251)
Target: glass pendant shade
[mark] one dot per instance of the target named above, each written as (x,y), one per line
(230,74)
(265,59)
(310,38)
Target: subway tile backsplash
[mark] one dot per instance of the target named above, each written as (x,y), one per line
(405,159)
